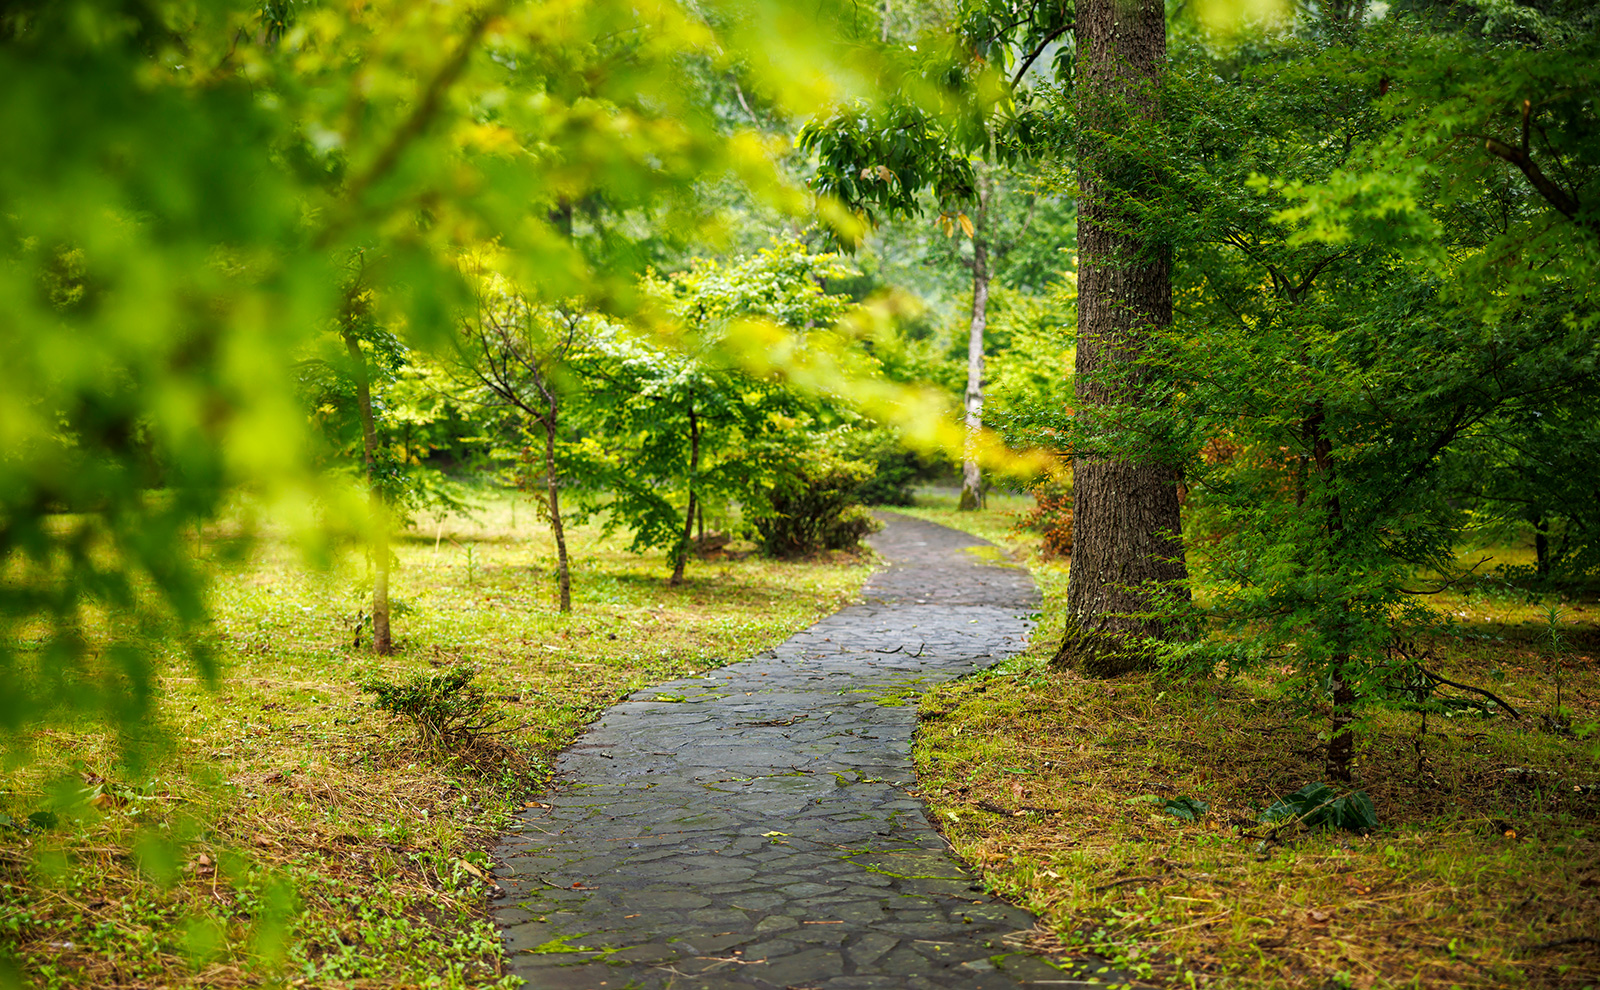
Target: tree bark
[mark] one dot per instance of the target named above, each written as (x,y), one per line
(1541,546)
(971,476)
(382,642)
(682,556)
(553,494)
(1125,523)
(1341,737)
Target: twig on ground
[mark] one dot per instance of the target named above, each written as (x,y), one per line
(1123,883)
(1558,943)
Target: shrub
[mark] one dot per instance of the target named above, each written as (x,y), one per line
(450,713)
(892,469)
(813,504)
(1051,516)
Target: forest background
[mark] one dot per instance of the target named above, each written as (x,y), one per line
(307,279)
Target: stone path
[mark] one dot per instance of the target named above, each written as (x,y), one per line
(751,828)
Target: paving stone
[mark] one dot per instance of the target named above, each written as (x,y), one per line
(776,923)
(805,968)
(770,949)
(652,953)
(710,830)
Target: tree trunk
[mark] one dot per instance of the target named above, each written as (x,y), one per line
(971,476)
(1341,737)
(381,641)
(682,556)
(553,494)
(1125,524)
(1541,546)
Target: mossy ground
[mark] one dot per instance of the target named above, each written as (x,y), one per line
(1484,872)
(281,829)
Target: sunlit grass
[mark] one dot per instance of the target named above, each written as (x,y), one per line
(283,794)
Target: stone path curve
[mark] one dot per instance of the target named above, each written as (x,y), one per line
(750,828)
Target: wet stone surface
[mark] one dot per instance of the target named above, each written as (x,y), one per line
(758,833)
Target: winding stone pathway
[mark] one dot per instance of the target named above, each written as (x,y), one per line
(750,828)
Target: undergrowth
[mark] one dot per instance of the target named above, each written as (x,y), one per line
(1483,871)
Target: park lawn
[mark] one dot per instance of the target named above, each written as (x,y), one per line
(1484,872)
(283,829)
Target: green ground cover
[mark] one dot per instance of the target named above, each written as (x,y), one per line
(1484,869)
(286,829)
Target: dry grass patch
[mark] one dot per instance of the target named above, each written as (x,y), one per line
(282,827)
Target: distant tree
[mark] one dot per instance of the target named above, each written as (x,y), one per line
(958,102)
(660,424)
(517,352)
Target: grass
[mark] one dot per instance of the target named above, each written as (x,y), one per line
(285,830)
(1484,871)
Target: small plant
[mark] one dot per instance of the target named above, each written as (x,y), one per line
(1051,517)
(1319,805)
(1555,650)
(1185,808)
(449,711)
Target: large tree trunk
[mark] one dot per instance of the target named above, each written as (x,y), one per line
(971,476)
(682,556)
(381,640)
(1125,526)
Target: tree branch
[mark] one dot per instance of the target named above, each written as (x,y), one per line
(1037,51)
(1553,194)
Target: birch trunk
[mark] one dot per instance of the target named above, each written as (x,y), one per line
(971,476)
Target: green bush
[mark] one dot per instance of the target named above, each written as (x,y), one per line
(892,469)
(813,504)
(450,713)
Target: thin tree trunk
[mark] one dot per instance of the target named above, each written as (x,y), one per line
(688,520)
(381,641)
(1125,522)
(1541,546)
(553,493)
(971,476)
(1341,736)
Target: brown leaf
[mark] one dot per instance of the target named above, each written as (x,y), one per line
(1317,917)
